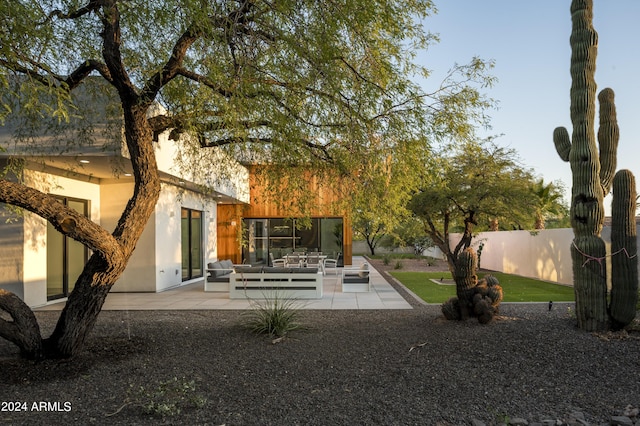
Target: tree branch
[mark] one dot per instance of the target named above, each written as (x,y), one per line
(111,42)
(24,330)
(93,5)
(87,67)
(173,65)
(65,220)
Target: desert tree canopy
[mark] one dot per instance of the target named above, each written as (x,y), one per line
(474,182)
(285,81)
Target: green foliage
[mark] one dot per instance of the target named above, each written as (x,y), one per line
(275,316)
(167,399)
(472,183)
(550,209)
(410,233)
(297,83)
(398,265)
(391,256)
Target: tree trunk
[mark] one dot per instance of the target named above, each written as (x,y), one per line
(102,271)
(81,310)
(441,240)
(24,330)
(446,250)
(372,247)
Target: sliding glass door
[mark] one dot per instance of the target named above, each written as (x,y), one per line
(65,257)
(279,236)
(192,257)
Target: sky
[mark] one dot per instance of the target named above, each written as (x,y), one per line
(529,42)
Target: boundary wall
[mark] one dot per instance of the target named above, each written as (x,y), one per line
(544,254)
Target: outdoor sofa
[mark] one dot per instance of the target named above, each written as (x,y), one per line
(275,282)
(218,274)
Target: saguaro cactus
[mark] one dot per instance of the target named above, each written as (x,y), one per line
(592,170)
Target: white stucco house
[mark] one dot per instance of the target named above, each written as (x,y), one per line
(85,165)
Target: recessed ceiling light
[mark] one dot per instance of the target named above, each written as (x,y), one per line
(85,161)
(127,174)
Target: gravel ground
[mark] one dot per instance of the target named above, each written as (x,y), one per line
(344,368)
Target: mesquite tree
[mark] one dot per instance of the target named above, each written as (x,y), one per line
(297,82)
(593,174)
(470,184)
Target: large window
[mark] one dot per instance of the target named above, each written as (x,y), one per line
(278,236)
(65,257)
(192,257)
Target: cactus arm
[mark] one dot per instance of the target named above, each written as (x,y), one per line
(608,137)
(562,142)
(465,272)
(624,261)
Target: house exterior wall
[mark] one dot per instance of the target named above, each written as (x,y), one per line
(230,216)
(11,262)
(156,264)
(212,168)
(168,236)
(35,261)
(103,180)
(140,272)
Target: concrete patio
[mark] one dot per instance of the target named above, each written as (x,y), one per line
(193,297)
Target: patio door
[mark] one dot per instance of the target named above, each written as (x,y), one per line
(65,257)
(192,254)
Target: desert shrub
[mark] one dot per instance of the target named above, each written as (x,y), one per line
(276,316)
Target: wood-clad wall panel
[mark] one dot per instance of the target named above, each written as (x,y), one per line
(230,216)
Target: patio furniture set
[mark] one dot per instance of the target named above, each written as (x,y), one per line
(296,276)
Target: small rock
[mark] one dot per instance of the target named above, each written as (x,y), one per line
(576,418)
(631,411)
(621,421)
(476,422)
(517,421)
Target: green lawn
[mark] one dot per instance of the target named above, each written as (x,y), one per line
(516,289)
